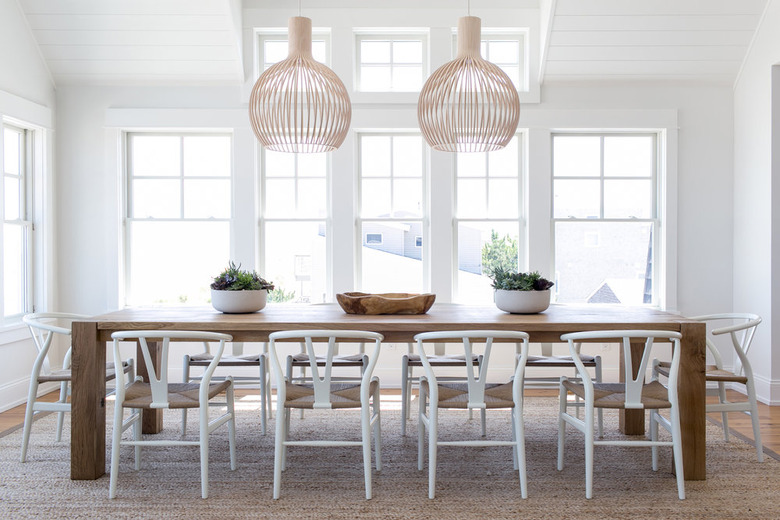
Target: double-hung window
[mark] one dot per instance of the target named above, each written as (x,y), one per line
(178,215)
(507,51)
(391,225)
(488,221)
(273,47)
(605,215)
(17,249)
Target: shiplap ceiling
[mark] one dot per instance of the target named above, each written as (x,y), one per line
(161,42)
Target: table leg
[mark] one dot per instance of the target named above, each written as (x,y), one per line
(692,398)
(88,404)
(152,420)
(632,422)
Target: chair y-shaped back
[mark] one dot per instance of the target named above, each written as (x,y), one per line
(322,391)
(474,393)
(634,393)
(44,327)
(157,393)
(741,333)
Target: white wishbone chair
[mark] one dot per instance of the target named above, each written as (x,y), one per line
(322,392)
(474,393)
(44,326)
(741,335)
(157,393)
(634,393)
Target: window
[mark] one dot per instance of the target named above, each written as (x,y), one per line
(391,191)
(17,254)
(488,218)
(374,238)
(394,63)
(178,215)
(507,51)
(605,218)
(273,48)
(293,226)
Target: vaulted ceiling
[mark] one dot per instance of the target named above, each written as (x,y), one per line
(154,42)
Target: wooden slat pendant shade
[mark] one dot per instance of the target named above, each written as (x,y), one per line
(468,104)
(300,105)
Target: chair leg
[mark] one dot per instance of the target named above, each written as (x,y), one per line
(365,427)
(589,451)
(677,451)
(185,379)
(231,405)
(519,448)
(204,451)
(61,415)
(654,437)
(433,445)
(724,415)
(377,430)
(279,451)
(751,391)
(482,418)
(263,394)
(561,426)
(287,412)
(421,427)
(29,411)
(600,411)
(405,387)
(115,438)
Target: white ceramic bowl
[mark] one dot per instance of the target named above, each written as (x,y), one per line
(238,302)
(522,302)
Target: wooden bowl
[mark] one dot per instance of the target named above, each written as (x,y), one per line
(388,303)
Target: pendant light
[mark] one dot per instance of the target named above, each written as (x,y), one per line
(300,105)
(468,104)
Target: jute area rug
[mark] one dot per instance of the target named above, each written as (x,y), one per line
(473,483)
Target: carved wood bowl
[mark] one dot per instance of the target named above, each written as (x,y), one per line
(387,303)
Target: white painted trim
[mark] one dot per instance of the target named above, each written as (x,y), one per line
(14,393)
(753,38)
(26,111)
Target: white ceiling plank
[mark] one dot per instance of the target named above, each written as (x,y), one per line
(659,7)
(140,37)
(670,38)
(656,23)
(198,67)
(146,79)
(659,68)
(607,79)
(172,7)
(138,52)
(129,22)
(647,53)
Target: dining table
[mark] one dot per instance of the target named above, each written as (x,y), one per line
(90,337)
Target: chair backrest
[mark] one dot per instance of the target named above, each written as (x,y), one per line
(633,385)
(158,377)
(43,327)
(476,376)
(326,342)
(741,334)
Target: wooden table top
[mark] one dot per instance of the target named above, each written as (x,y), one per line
(545,326)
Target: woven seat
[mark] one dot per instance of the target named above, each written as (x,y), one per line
(471,391)
(342,395)
(635,393)
(204,360)
(355,360)
(324,391)
(559,361)
(456,395)
(43,329)
(613,395)
(158,393)
(741,336)
(180,395)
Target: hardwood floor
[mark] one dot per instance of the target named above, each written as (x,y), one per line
(739,423)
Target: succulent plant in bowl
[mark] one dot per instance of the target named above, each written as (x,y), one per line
(237,290)
(520,293)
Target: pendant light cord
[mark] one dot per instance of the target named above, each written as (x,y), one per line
(468,7)
(299,7)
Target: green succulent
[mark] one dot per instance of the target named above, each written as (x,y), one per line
(234,279)
(511,281)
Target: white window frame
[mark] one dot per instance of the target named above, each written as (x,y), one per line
(360,219)
(391,36)
(264,220)
(659,248)
(280,34)
(520,221)
(127,179)
(498,34)
(26,214)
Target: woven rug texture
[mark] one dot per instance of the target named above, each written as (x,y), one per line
(472,483)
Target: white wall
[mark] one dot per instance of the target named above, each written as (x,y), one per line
(756,198)
(27,98)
